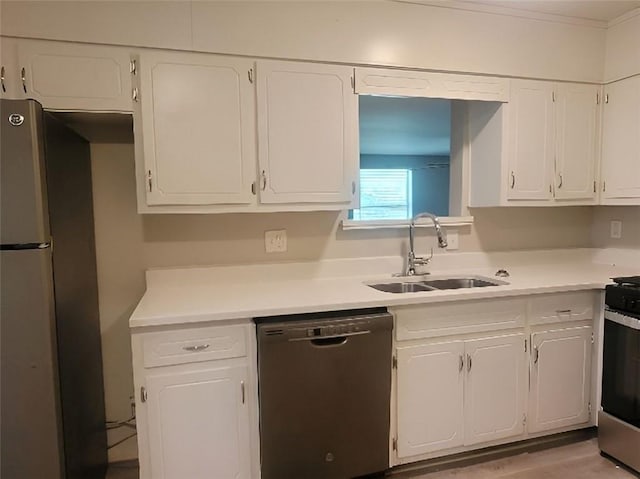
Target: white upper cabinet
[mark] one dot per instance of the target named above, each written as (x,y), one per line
(10,81)
(495,395)
(196,119)
(576,140)
(430,397)
(621,143)
(308,133)
(75,77)
(530,140)
(379,81)
(560,378)
(540,149)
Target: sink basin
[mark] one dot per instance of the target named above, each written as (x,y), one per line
(402,287)
(456,283)
(434,284)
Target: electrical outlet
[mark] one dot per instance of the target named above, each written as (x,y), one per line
(616,229)
(275,241)
(452,240)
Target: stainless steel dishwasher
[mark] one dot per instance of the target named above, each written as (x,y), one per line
(325,387)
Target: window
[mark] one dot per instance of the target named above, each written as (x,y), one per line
(405,146)
(384,194)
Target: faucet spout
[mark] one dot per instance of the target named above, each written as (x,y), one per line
(442,240)
(412,260)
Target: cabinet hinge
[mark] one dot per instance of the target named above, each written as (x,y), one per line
(250,75)
(149,181)
(394,362)
(394,444)
(589,409)
(133,67)
(143,394)
(593,339)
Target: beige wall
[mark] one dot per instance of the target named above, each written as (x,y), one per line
(128,243)
(630,217)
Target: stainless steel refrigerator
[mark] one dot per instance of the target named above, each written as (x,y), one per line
(52,420)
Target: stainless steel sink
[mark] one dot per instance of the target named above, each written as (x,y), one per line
(434,284)
(402,287)
(456,283)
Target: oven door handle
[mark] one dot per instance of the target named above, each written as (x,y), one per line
(623,319)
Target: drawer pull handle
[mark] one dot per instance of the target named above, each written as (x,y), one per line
(196,348)
(563,311)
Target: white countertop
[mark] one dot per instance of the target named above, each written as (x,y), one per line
(189,295)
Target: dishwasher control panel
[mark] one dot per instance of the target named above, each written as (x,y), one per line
(337,329)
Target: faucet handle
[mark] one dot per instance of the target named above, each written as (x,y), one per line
(422,260)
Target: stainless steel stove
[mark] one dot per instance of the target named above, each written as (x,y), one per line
(619,420)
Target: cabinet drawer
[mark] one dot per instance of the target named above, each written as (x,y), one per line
(193,345)
(446,319)
(560,307)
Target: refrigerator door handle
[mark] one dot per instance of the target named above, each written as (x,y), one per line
(22,246)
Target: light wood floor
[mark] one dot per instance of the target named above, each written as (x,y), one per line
(580,460)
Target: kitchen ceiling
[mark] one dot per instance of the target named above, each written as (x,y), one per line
(601,10)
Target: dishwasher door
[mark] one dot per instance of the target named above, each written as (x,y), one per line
(325,386)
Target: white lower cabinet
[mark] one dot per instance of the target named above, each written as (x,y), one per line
(464,381)
(459,393)
(196,402)
(495,390)
(430,397)
(198,423)
(560,378)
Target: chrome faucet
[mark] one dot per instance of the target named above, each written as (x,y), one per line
(412,259)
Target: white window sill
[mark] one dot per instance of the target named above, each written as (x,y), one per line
(401,224)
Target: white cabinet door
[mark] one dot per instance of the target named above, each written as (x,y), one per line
(495,391)
(198,425)
(430,397)
(198,128)
(307,131)
(621,140)
(560,378)
(10,81)
(66,76)
(530,140)
(576,123)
